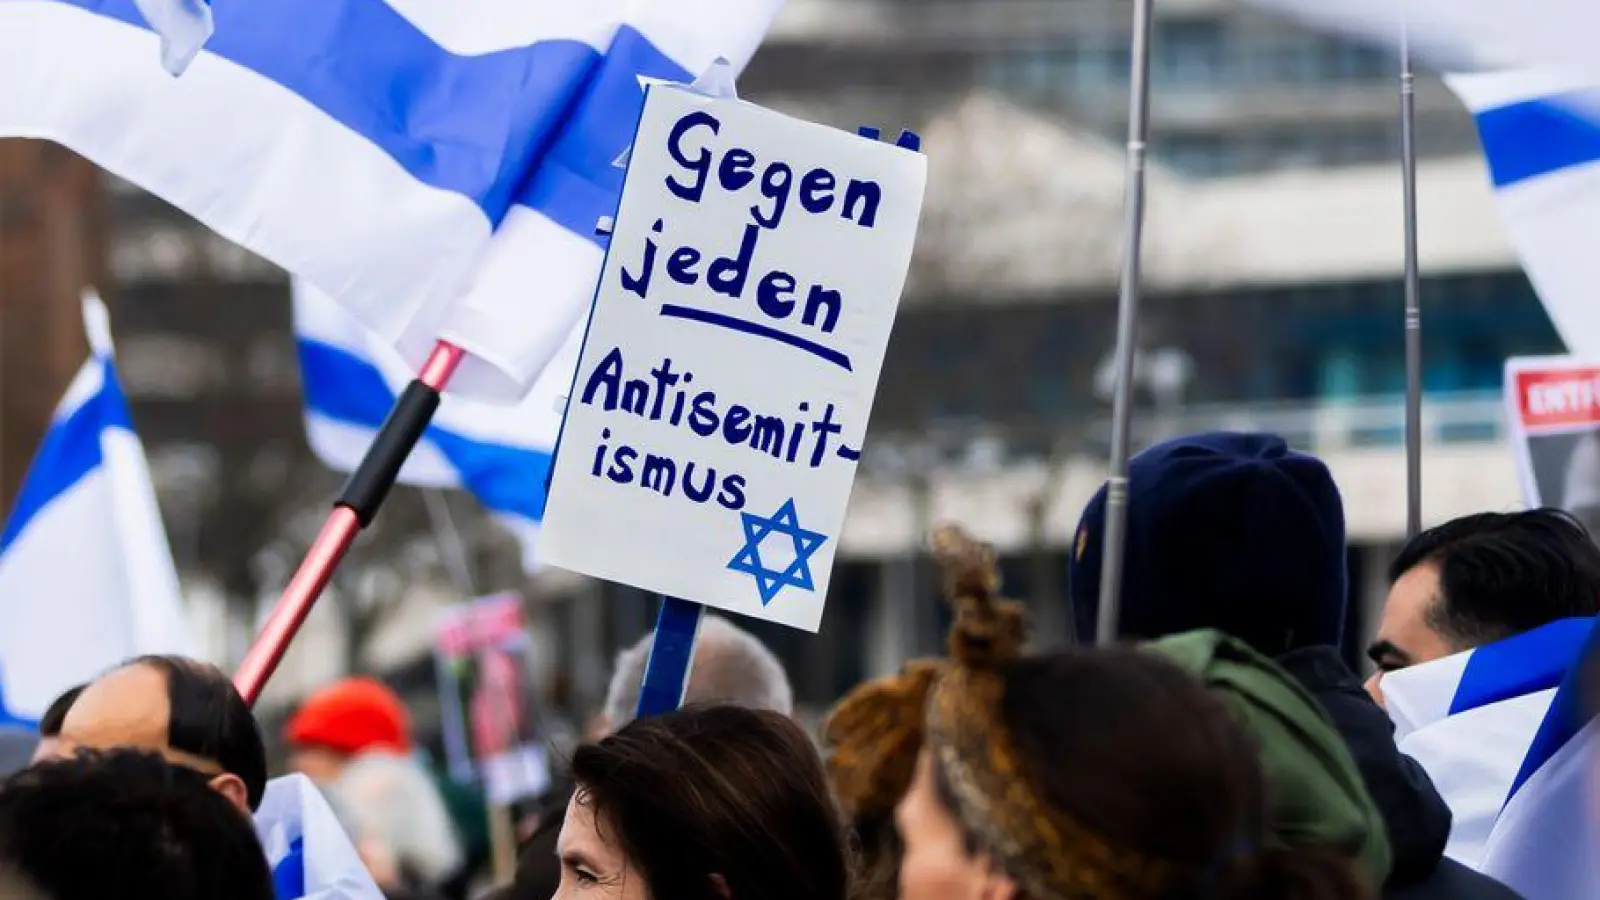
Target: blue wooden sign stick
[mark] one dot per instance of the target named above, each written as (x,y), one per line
(666,674)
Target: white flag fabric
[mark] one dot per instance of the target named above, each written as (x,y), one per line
(184,27)
(500,455)
(437,166)
(1465,35)
(1540,132)
(1471,721)
(86,576)
(1544,844)
(310,854)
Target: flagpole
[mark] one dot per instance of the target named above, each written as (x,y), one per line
(1127,328)
(363,493)
(1413,289)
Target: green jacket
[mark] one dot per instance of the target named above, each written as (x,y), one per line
(1317,795)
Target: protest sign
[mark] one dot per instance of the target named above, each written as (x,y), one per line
(732,353)
(1553,411)
(487,699)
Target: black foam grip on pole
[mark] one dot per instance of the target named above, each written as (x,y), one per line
(370,482)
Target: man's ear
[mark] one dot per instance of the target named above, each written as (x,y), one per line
(232,786)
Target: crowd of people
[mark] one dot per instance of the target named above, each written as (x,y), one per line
(1223,750)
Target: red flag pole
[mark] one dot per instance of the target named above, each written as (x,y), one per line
(363,494)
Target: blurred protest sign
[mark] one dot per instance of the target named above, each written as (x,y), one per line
(487,700)
(732,355)
(1553,409)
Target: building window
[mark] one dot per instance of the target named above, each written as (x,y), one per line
(1191,52)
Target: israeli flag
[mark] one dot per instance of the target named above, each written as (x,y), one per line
(500,455)
(437,166)
(310,854)
(1541,137)
(86,577)
(1477,723)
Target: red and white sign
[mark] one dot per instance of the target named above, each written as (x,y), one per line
(1553,416)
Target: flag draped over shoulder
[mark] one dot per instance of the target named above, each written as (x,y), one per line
(501,455)
(1494,728)
(86,576)
(310,854)
(436,166)
(1541,138)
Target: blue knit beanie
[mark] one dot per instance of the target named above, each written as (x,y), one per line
(1229,531)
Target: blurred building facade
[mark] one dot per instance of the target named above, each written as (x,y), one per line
(1273,302)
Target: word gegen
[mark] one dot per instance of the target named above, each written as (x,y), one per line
(777,293)
(664,397)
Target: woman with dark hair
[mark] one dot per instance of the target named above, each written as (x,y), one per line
(1081,775)
(707,803)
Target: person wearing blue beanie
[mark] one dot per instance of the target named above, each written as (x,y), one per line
(1229,531)
(1240,533)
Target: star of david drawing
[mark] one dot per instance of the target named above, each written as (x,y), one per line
(757,529)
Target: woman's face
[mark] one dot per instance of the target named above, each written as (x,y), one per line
(591,867)
(936,864)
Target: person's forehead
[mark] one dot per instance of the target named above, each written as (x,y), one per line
(125,707)
(1413,592)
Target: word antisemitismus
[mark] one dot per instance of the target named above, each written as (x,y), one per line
(805,439)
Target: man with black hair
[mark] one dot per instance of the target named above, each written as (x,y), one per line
(185,710)
(50,724)
(1482,578)
(126,824)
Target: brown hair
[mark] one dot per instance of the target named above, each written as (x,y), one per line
(1108,774)
(717,790)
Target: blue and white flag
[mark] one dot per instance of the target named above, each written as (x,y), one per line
(1541,137)
(437,166)
(310,854)
(501,455)
(1471,720)
(86,576)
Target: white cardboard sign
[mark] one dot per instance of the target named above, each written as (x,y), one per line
(731,358)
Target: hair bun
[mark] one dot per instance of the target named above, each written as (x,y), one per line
(989,628)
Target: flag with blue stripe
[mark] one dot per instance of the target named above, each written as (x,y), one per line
(1541,138)
(86,576)
(1544,844)
(311,856)
(501,455)
(1480,724)
(436,166)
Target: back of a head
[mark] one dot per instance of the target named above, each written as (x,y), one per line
(209,719)
(717,791)
(1501,574)
(1166,776)
(1235,532)
(392,801)
(731,666)
(127,824)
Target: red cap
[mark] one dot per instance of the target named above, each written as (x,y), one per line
(352,716)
